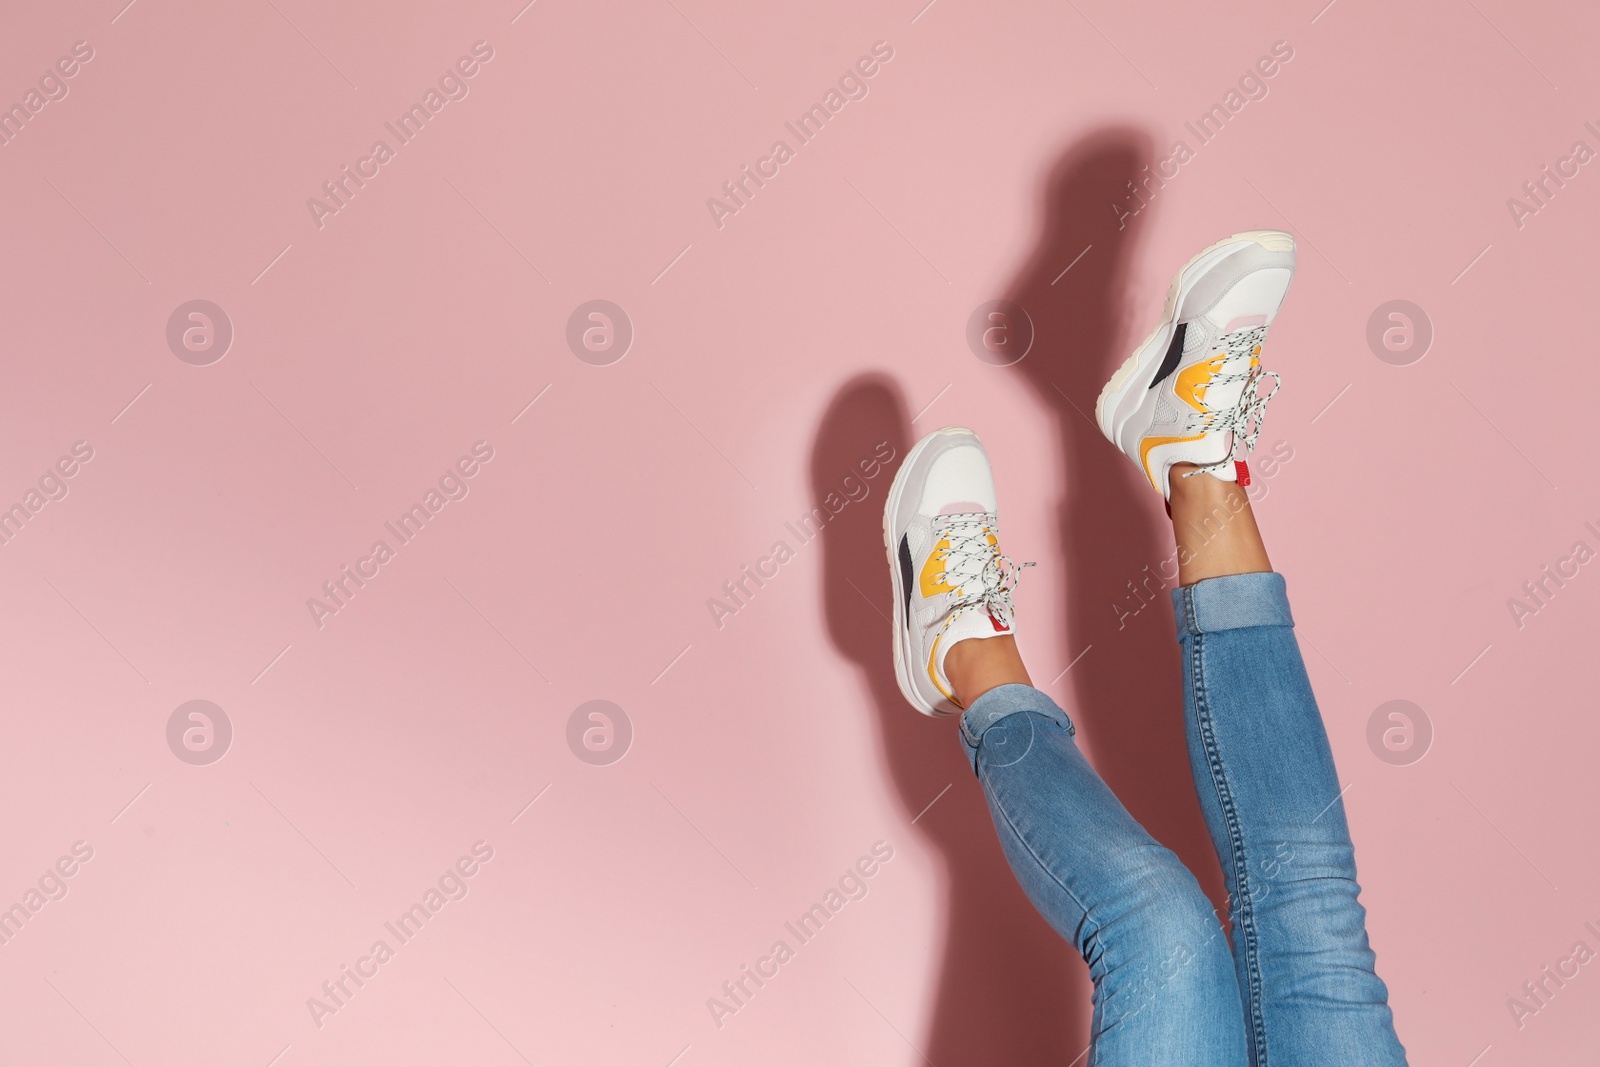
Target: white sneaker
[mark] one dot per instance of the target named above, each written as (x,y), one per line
(951,582)
(1191,392)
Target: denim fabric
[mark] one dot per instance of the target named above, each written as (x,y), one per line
(1272,801)
(1297,988)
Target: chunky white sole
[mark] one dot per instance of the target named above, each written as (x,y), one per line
(904,661)
(1124,393)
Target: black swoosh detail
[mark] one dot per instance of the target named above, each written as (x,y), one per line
(1169,362)
(905,574)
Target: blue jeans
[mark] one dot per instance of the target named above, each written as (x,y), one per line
(1297,988)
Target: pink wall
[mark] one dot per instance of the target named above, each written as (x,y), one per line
(769,355)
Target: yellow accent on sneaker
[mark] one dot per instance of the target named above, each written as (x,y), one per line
(1192,381)
(1154,442)
(929,582)
(933,673)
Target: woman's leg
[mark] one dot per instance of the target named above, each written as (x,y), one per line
(1165,994)
(1267,786)
(1164,989)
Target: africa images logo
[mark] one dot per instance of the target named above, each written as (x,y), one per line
(453,85)
(852,885)
(53,88)
(1252,85)
(738,592)
(852,85)
(453,885)
(338,592)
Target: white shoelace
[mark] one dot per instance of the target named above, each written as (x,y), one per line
(980,570)
(1244,420)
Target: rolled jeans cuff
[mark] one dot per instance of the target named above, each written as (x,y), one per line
(1232,602)
(999,703)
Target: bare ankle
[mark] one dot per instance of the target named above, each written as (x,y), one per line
(977,665)
(1214,526)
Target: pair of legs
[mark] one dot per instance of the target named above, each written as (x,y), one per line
(975,667)
(1297,986)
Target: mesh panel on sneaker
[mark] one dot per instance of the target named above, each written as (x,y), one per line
(1167,412)
(919,536)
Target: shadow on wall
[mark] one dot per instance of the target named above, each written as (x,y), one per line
(1007,986)
(1126,693)
(1009,990)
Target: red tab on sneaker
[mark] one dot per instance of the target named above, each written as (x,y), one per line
(1241,471)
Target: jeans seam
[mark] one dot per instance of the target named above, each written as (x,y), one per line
(1245,931)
